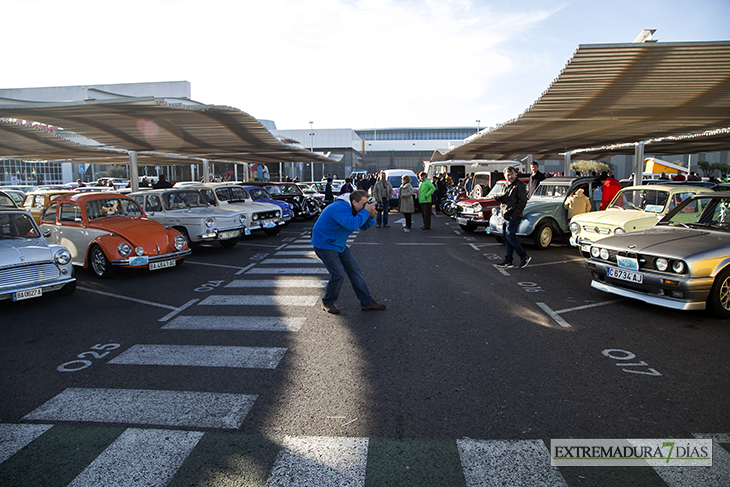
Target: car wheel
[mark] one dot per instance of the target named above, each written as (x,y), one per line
(101,266)
(449,208)
(67,290)
(719,299)
(468,228)
(543,236)
(272,231)
(230,243)
(479,191)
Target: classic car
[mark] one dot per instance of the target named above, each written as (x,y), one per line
(232,196)
(105,231)
(633,208)
(16,195)
(35,201)
(6,201)
(186,211)
(311,191)
(545,218)
(260,194)
(29,265)
(682,263)
(302,206)
(475,211)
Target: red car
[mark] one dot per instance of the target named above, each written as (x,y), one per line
(108,230)
(475,211)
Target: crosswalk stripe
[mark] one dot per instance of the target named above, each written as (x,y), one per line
(717,474)
(309,253)
(321,461)
(201,356)
(310,247)
(303,241)
(263,300)
(146,407)
(13,437)
(287,270)
(278,283)
(291,261)
(236,323)
(507,462)
(139,457)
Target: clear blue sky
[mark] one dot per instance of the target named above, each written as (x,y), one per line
(338,63)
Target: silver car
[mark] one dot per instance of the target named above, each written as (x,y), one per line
(29,265)
(682,263)
(186,211)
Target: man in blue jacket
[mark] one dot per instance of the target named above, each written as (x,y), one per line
(329,238)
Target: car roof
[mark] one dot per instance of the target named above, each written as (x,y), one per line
(83,197)
(671,188)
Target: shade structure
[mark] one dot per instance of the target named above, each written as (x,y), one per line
(611,96)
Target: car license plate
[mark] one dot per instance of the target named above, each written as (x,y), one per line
(462,221)
(162,265)
(585,247)
(140,260)
(229,235)
(625,275)
(27,294)
(269,225)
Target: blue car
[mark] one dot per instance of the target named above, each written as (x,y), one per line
(260,194)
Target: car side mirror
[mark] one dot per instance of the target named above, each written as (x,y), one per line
(46,232)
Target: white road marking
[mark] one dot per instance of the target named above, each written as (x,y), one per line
(201,356)
(501,271)
(140,457)
(263,300)
(302,241)
(147,407)
(208,264)
(569,261)
(320,460)
(299,246)
(717,474)
(135,300)
(507,462)
(236,323)
(314,260)
(587,306)
(474,246)
(278,283)
(554,315)
(288,270)
(178,310)
(13,437)
(303,253)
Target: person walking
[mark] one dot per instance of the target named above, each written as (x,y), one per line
(337,221)
(512,203)
(535,178)
(329,196)
(405,199)
(347,187)
(382,192)
(425,192)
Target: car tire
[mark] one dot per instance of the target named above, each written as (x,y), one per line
(272,231)
(543,236)
(468,228)
(479,191)
(719,299)
(229,244)
(99,263)
(67,290)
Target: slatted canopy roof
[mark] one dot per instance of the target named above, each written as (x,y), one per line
(611,96)
(147,124)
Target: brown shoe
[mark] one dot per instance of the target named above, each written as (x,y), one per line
(386,226)
(331,308)
(373,306)
(377,226)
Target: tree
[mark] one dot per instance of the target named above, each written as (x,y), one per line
(586,167)
(705,167)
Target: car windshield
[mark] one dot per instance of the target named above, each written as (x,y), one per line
(17,225)
(274,189)
(6,201)
(701,212)
(289,189)
(258,193)
(551,190)
(105,207)
(650,200)
(231,193)
(306,189)
(175,200)
(497,189)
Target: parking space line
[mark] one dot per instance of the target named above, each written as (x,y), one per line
(554,315)
(13,437)
(557,262)
(307,260)
(278,283)
(587,306)
(141,301)
(287,270)
(178,310)
(215,265)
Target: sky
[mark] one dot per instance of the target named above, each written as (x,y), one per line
(358,64)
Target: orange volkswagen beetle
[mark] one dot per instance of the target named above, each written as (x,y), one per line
(109,230)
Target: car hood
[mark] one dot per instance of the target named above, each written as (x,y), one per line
(616,218)
(471,201)
(249,205)
(542,205)
(23,251)
(207,211)
(133,229)
(668,241)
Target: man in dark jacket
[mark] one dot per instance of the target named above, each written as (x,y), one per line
(329,197)
(513,202)
(535,178)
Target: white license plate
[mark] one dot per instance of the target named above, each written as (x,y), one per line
(462,221)
(140,260)
(162,265)
(229,235)
(625,275)
(585,247)
(27,294)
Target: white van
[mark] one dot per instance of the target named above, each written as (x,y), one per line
(460,169)
(394,177)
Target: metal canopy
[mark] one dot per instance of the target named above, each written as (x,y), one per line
(148,124)
(613,94)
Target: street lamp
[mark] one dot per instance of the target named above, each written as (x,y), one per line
(311,146)
(478,125)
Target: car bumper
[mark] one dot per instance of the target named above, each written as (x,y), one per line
(262,225)
(471,221)
(142,262)
(222,234)
(669,291)
(45,288)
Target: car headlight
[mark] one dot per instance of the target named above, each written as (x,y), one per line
(124,249)
(139,250)
(619,231)
(574,228)
(209,222)
(179,242)
(242,218)
(62,256)
(595,252)
(476,206)
(661,264)
(494,211)
(278,214)
(604,254)
(679,267)
(255,217)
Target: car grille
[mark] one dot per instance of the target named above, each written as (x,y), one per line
(28,274)
(596,230)
(265,215)
(646,262)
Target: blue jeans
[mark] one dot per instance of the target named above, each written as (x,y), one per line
(383,215)
(509,230)
(338,265)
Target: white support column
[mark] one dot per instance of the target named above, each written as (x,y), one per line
(133,171)
(206,171)
(638,162)
(566,170)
